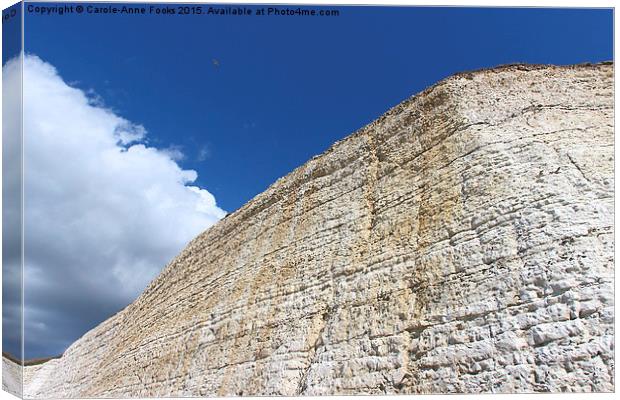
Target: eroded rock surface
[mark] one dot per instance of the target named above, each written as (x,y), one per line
(12,377)
(463,242)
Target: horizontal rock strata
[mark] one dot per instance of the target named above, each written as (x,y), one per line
(463,242)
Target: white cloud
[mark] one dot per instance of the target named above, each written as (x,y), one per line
(204,153)
(174,152)
(104,212)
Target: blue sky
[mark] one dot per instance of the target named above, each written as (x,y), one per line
(288,87)
(283,90)
(11,30)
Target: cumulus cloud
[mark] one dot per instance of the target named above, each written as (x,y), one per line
(104,211)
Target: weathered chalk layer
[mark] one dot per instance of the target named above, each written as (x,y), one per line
(463,242)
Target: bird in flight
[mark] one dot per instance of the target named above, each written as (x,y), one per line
(216,62)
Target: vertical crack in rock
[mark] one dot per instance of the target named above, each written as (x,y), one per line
(371,185)
(461,243)
(303,382)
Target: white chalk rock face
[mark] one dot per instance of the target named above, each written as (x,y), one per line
(463,242)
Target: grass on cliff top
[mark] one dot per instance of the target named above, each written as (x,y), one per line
(28,363)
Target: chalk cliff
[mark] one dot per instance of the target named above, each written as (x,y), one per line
(463,242)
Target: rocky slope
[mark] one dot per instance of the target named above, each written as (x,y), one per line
(463,242)
(11,376)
